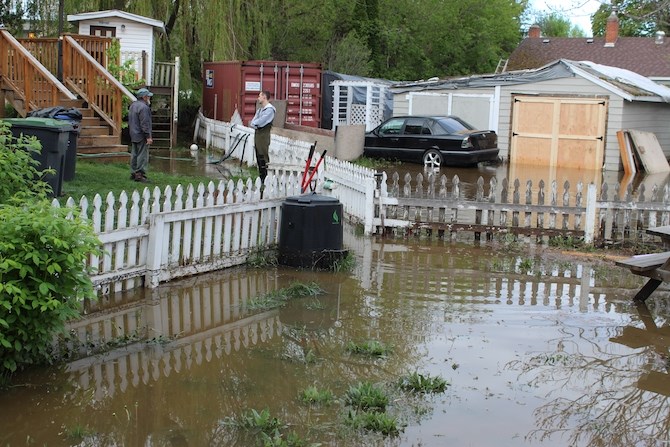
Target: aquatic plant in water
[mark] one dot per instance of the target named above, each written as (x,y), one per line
(371,348)
(366,396)
(314,395)
(420,383)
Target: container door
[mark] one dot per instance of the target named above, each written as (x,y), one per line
(302,92)
(258,76)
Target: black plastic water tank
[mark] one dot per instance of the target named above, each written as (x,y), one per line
(310,232)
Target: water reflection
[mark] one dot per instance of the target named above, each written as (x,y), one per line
(539,349)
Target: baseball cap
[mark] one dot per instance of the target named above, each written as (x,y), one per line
(144,92)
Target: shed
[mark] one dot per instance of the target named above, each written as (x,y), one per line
(349,99)
(565,113)
(135,34)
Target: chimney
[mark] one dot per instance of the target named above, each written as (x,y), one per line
(534,31)
(612,29)
(660,37)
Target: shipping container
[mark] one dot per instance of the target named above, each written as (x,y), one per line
(231,85)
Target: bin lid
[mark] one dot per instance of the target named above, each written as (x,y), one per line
(32,122)
(313,198)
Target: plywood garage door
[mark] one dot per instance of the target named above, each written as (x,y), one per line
(559,132)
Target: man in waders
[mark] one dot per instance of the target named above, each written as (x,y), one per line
(262,122)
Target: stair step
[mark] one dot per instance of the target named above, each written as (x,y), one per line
(120,149)
(93,130)
(98,140)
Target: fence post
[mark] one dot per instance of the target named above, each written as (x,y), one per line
(156,228)
(368,220)
(590,221)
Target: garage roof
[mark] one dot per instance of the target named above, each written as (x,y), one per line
(625,83)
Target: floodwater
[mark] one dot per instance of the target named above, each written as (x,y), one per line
(207,163)
(539,349)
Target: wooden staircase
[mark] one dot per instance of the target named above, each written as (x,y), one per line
(96,140)
(29,84)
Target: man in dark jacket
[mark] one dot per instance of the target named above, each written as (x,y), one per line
(139,126)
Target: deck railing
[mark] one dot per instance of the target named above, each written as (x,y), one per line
(45,49)
(86,76)
(30,81)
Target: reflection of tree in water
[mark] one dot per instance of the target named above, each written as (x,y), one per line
(612,408)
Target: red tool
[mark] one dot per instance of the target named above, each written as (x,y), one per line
(309,162)
(314,171)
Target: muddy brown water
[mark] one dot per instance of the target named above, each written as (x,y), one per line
(540,348)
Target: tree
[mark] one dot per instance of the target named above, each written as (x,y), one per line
(636,17)
(556,25)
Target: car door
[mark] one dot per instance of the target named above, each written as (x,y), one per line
(413,141)
(386,139)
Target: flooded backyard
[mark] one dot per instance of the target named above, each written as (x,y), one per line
(538,347)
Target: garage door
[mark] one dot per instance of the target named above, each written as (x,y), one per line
(558,132)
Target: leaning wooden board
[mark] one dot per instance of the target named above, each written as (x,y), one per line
(650,152)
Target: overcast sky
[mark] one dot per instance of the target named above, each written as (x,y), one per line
(578,11)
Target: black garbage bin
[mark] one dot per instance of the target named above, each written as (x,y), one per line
(310,232)
(54,136)
(70,163)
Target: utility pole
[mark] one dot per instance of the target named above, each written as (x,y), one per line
(61,12)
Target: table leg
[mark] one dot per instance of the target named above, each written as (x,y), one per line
(647,289)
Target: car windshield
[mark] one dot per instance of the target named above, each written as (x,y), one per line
(450,125)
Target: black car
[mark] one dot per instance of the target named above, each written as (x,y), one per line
(433,140)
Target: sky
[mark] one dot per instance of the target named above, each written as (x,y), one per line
(577,11)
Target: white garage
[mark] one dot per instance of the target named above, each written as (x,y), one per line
(563,114)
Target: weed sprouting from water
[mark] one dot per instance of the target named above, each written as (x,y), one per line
(260,422)
(345,264)
(314,395)
(77,433)
(372,348)
(420,383)
(379,422)
(525,265)
(366,396)
(278,298)
(277,439)
(262,258)
(314,304)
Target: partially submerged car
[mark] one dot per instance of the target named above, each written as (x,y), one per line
(431,140)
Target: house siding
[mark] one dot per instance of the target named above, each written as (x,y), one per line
(137,37)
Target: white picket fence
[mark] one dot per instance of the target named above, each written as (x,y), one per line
(156,236)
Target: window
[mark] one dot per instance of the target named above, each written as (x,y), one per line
(392,127)
(414,126)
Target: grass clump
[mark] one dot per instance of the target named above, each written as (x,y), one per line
(367,397)
(345,264)
(262,258)
(260,422)
(420,383)
(372,348)
(314,395)
(279,298)
(379,422)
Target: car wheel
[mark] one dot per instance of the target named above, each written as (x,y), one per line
(432,159)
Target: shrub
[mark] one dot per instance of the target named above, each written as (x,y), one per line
(43,278)
(18,168)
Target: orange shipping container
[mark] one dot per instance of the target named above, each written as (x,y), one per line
(234,85)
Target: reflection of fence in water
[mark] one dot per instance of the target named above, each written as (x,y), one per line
(170,332)
(456,274)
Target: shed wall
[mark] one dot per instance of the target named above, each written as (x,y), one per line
(650,117)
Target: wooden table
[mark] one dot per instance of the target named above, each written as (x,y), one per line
(655,266)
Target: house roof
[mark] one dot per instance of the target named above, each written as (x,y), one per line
(115,13)
(639,54)
(625,83)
